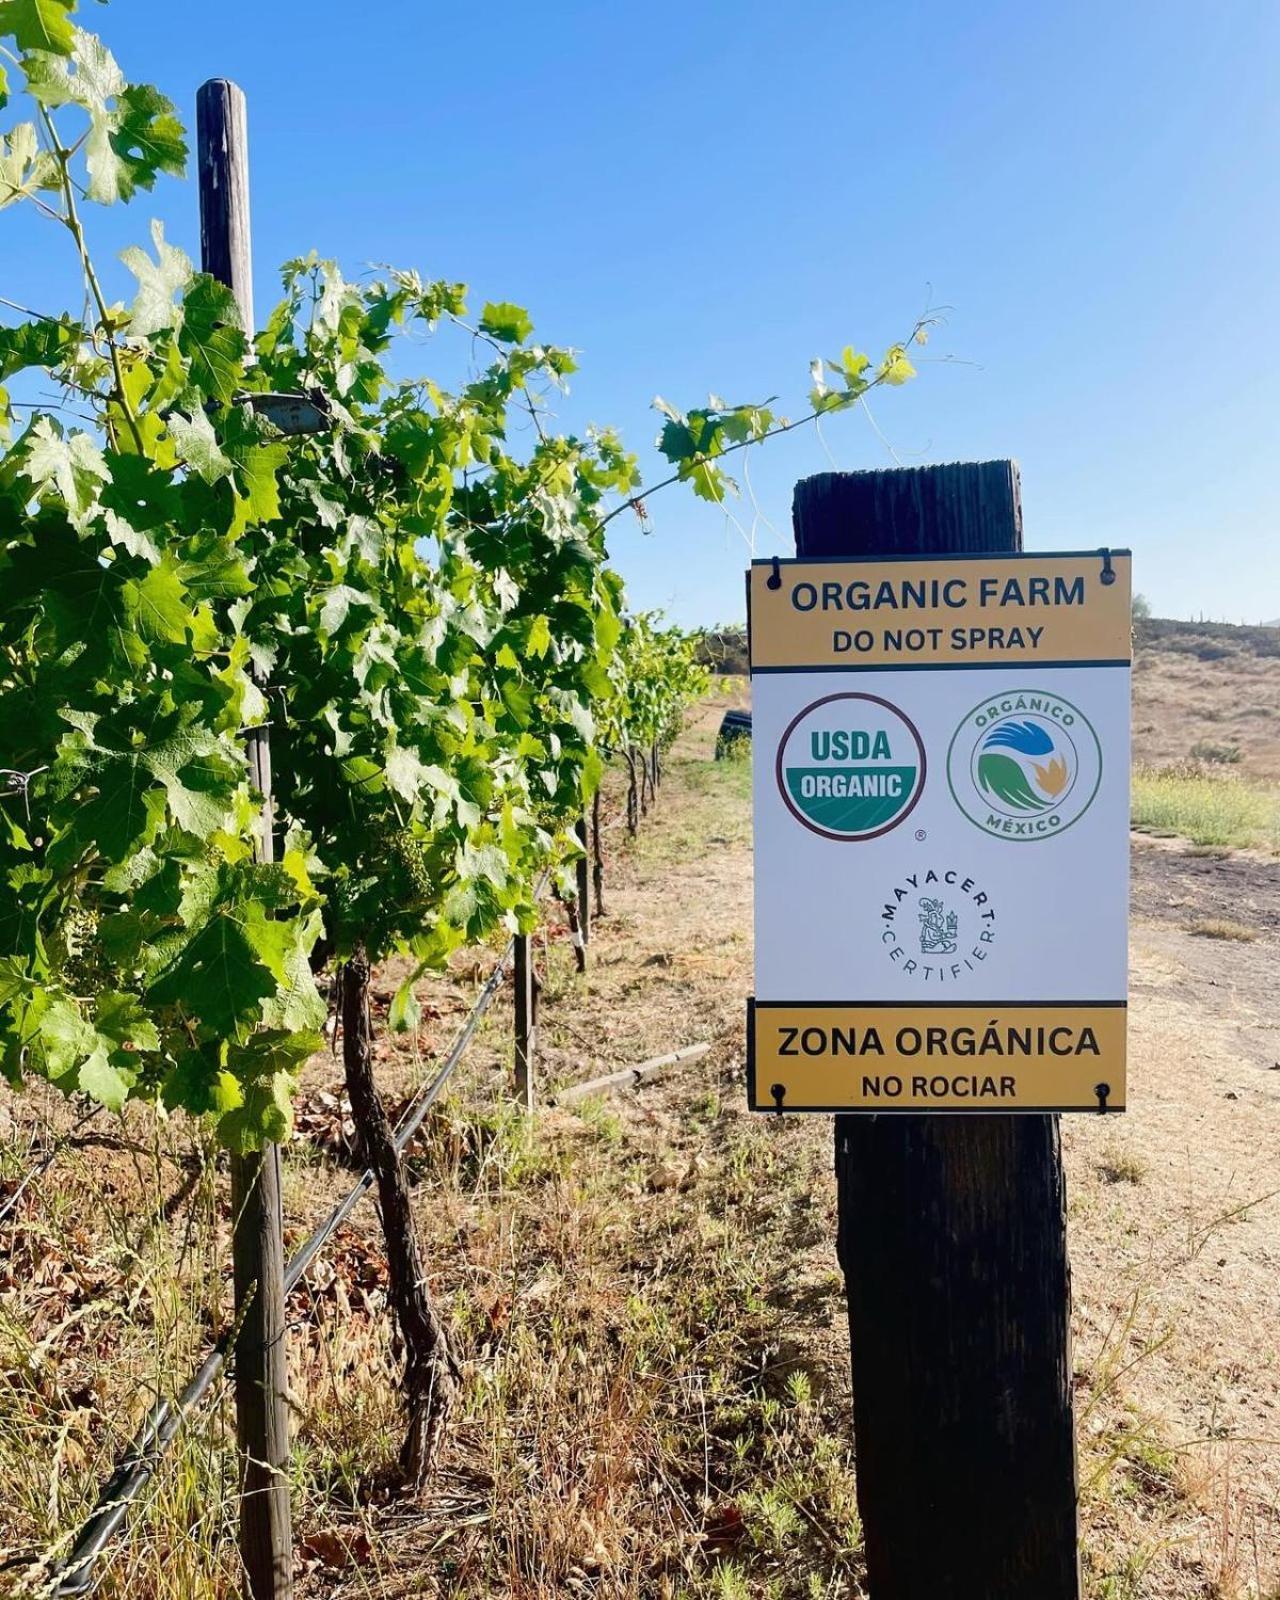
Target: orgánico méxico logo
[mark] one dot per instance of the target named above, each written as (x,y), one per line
(1024,765)
(850,766)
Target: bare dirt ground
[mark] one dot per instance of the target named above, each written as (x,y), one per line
(644,1287)
(1174,1221)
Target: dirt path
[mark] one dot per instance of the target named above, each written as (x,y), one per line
(645,1292)
(1175,1218)
(1175,1223)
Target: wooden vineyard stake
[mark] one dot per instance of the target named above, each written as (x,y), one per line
(575,935)
(526,1024)
(952,1230)
(633,792)
(262,1415)
(597,856)
(583,864)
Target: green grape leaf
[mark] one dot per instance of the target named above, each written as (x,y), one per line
(405,1012)
(124,787)
(676,441)
(518,699)
(134,133)
(895,369)
(539,640)
(103,1081)
(852,364)
(147,138)
(71,466)
(336,606)
(158,604)
(87,75)
(211,337)
(39,24)
(257,486)
(124,1020)
(75,1056)
(274,1050)
(265,1117)
(608,626)
(708,482)
(43,343)
(297,1005)
(196,443)
(592,772)
(199,1083)
(503,321)
(24,167)
(224,974)
(141,498)
(405,773)
(159,283)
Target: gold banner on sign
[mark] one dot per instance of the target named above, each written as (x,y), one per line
(837,1057)
(952,612)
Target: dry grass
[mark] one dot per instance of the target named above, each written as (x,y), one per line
(1118,1165)
(1222,928)
(645,1293)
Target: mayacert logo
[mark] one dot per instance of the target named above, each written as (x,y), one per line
(1024,765)
(938,924)
(850,766)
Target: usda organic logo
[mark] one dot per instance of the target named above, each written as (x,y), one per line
(1024,765)
(850,766)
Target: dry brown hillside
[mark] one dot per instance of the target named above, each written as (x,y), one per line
(1207,691)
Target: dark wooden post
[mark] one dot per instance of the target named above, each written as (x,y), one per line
(584,879)
(952,1230)
(526,1028)
(261,1379)
(633,792)
(597,856)
(575,935)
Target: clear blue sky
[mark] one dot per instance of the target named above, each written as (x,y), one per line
(702,198)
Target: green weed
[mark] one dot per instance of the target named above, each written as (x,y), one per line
(1207,808)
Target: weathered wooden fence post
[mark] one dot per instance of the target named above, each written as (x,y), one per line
(262,1415)
(526,1030)
(597,856)
(582,833)
(952,1230)
(575,934)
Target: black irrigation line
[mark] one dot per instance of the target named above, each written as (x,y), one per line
(75,1575)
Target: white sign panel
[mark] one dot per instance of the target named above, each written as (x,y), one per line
(941,847)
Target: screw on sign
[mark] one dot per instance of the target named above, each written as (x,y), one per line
(940,729)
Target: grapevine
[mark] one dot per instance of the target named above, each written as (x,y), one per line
(445,653)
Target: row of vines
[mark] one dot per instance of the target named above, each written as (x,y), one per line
(420,609)
(416,601)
